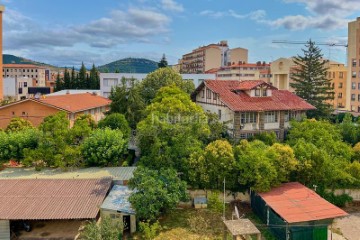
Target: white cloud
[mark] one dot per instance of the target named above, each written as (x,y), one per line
(255,15)
(171,5)
(323,14)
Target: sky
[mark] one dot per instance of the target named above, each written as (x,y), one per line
(68,32)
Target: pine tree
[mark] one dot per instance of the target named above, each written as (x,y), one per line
(94,82)
(163,62)
(58,83)
(82,78)
(73,84)
(67,79)
(310,81)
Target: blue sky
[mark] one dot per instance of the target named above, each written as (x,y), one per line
(67,32)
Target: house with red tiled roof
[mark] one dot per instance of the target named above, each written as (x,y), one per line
(250,107)
(35,110)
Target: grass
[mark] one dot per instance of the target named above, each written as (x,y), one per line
(196,224)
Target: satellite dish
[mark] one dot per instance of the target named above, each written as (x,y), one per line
(237,212)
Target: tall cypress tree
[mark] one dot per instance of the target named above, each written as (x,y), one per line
(67,79)
(58,83)
(82,78)
(73,84)
(310,81)
(94,78)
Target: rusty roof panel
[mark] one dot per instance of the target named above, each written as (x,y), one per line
(296,203)
(45,199)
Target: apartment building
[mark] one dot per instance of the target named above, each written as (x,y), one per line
(110,80)
(250,107)
(244,72)
(17,87)
(281,73)
(211,56)
(2,9)
(353,62)
(25,70)
(337,72)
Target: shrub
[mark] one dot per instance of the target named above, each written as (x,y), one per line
(149,231)
(214,203)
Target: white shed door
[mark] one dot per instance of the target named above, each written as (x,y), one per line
(4,230)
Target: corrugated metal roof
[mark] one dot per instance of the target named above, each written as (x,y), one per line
(296,203)
(118,200)
(42,199)
(117,173)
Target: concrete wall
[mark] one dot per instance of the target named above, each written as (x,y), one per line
(354,193)
(4,230)
(238,54)
(116,216)
(213,58)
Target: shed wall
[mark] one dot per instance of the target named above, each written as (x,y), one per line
(4,230)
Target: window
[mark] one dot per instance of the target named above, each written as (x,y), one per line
(353,85)
(13,113)
(208,93)
(354,62)
(333,74)
(23,113)
(219,114)
(341,75)
(257,92)
(271,117)
(353,74)
(110,82)
(287,116)
(25,84)
(248,117)
(358,97)
(203,93)
(340,85)
(352,97)
(214,96)
(264,93)
(243,136)
(340,95)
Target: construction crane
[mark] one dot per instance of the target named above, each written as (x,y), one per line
(316,43)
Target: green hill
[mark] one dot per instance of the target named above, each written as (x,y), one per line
(8,59)
(130,65)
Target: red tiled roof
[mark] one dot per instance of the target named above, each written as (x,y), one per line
(76,102)
(14,65)
(212,70)
(240,101)
(44,199)
(296,203)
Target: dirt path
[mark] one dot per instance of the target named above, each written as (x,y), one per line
(348,226)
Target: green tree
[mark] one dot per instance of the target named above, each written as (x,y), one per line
(83,126)
(163,62)
(349,130)
(208,169)
(73,79)
(310,81)
(127,100)
(67,79)
(104,147)
(116,121)
(160,78)
(157,191)
(106,229)
(218,129)
(18,124)
(172,130)
(94,79)
(59,85)
(82,77)
(149,230)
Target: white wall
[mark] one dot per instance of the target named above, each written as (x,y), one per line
(106,89)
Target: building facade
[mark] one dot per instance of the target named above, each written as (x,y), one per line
(250,107)
(211,56)
(25,70)
(35,110)
(337,72)
(17,87)
(245,72)
(2,9)
(110,80)
(353,62)
(280,73)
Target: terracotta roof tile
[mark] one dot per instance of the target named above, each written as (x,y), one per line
(76,102)
(44,199)
(296,203)
(240,101)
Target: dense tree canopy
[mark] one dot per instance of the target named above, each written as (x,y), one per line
(310,80)
(18,124)
(116,121)
(156,191)
(160,78)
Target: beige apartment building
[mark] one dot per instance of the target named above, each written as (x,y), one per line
(211,56)
(353,62)
(282,68)
(25,70)
(2,9)
(245,72)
